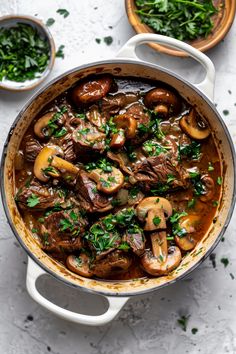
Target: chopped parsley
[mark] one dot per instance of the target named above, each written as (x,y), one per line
(124,246)
(63,12)
(24,55)
(219,181)
(98,40)
(210,167)
(183,321)
(60,52)
(50,22)
(176,228)
(225,261)
(108,40)
(156,220)
(191,151)
(32,201)
(181,19)
(60,133)
(153,148)
(191,203)
(194,330)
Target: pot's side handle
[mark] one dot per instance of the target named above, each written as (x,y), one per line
(206,86)
(115,304)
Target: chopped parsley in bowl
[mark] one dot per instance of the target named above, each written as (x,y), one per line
(27,52)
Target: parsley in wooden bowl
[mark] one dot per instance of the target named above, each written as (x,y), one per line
(201,23)
(27,52)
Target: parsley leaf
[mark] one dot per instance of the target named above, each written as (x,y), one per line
(32,201)
(63,12)
(50,22)
(60,52)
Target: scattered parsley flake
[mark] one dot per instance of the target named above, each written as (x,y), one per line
(59,52)
(63,12)
(108,40)
(224,261)
(50,22)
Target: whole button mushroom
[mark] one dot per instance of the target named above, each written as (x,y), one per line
(92,90)
(163,101)
(195,126)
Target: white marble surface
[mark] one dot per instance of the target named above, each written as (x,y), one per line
(147,324)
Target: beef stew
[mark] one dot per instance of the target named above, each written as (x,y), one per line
(118,178)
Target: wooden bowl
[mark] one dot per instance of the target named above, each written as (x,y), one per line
(10,21)
(222,23)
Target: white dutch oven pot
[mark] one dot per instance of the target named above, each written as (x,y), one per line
(127,64)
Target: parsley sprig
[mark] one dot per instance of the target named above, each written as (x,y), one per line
(181,19)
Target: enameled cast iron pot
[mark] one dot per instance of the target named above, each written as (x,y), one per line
(126,63)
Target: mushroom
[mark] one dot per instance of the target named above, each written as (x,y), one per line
(42,128)
(155,266)
(126,126)
(188,223)
(209,188)
(48,164)
(108,183)
(127,123)
(154,210)
(80,265)
(92,90)
(195,126)
(162,101)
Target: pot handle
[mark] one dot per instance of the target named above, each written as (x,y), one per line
(206,86)
(115,304)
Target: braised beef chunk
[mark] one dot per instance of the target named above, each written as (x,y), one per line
(88,139)
(135,238)
(161,170)
(114,103)
(118,178)
(90,199)
(32,149)
(116,262)
(34,196)
(62,230)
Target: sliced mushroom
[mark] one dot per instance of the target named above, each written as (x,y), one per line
(48,164)
(155,266)
(42,128)
(162,101)
(43,161)
(188,223)
(159,245)
(195,126)
(209,188)
(80,265)
(108,183)
(92,90)
(154,211)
